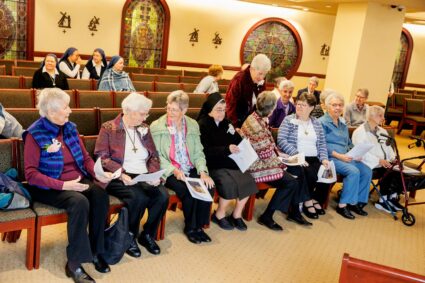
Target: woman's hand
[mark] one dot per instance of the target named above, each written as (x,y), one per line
(154,183)
(179,175)
(127,180)
(384,163)
(79,61)
(106,179)
(207,180)
(234,148)
(325,163)
(74,185)
(343,157)
(283,155)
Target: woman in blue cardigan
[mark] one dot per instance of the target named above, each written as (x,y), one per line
(301,133)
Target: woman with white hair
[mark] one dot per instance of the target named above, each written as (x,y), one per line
(126,143)
(60,173)
(379,158)
(284,106)
(246,85)
(357,175)
(177,139)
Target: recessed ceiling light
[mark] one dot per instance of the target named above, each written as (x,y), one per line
(275,5)
(328,6)
(305,9)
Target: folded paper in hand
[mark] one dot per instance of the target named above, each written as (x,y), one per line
(359,150)
(327,176)
(150,177)
(294,160)
(197,189)
(100,173)
(245,157)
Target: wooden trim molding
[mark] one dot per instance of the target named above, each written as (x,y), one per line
(308,75)
(59,55)
(200,65)
(291,28)
(414,85)
(30,29)
(408,57)
(166,30)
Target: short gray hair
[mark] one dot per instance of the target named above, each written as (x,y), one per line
(373,111)
(364,91)
(286,84)
(315,80)
(136,102)
(334,95)
(51,99)
(278,80)
(180,97)
(266,102)
(261,63)
(325,94)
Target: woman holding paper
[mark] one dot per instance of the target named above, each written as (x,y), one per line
(177,139)
(269,168)
(301,133)
(60,173)
(357,175)
(379,158)
(220,139)
(125,143)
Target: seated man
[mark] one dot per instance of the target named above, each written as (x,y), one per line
(311,88)
(355,112)
(9,126)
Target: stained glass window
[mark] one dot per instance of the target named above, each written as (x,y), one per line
(144,33)
(279,41)
(403,58)
(13,29)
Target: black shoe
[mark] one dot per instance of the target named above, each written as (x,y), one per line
(344,212)
(203,236)
(79,275)
(269,223)
(319,211)
(134,250)
(149,243)
(238,223)
(298,218)
(100,264)
(223,222)
(357,209)
(395,204)
(311,215)
(192,236)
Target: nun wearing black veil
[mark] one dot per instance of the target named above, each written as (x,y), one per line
(220,139)
(48,75)
(114,78)
(96,65)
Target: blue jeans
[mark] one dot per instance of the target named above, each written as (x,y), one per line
(356,183)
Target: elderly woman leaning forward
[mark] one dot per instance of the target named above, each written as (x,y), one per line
(60,173)
(357,175)
(177,139)
(126,143)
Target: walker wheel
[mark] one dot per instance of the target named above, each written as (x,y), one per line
(408,219)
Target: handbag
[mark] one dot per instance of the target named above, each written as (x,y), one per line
(117,238)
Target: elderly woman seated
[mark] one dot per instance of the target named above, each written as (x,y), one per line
(177,139)
(379,158)
(357,175)
(114,78)
(61,174)
(355,112)
(48,75)
(301,133)
(284,106)
(220,139)
(269,168)
(126,143)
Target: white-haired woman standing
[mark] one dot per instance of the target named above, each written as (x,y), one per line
(357,175)
(284,106)
(246,85)
(61,174)
(177,139)
(380,157)
(126,143)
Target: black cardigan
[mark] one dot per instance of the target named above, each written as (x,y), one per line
(43,80)
(216,141)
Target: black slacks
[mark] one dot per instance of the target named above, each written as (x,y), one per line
(196,212)
(137,199)
(89,207)
(391,183)
(285,194)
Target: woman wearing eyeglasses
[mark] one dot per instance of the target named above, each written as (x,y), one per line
(301,133)
(177,139)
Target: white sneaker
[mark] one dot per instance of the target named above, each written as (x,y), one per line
(383,206)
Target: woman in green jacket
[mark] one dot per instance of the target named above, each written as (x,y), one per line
(177,139)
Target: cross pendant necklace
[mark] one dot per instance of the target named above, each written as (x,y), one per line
(133,141)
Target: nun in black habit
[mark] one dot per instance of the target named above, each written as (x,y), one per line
(220,139)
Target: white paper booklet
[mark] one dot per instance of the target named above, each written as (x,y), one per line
(198,189)
(359,150)
(245,157)
(327,176)
(150,177)
(294,160)
(100,173)
(407,170)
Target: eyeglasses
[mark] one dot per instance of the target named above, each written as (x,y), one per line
(337,105)
(220,110)
(360,97)
(172,110)
(302,105)
(146,115)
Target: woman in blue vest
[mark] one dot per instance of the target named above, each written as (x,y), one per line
(60,173)
(70,62)
(95,66)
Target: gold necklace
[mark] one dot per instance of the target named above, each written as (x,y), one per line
(133,141)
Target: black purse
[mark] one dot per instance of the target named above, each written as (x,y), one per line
(117,238)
